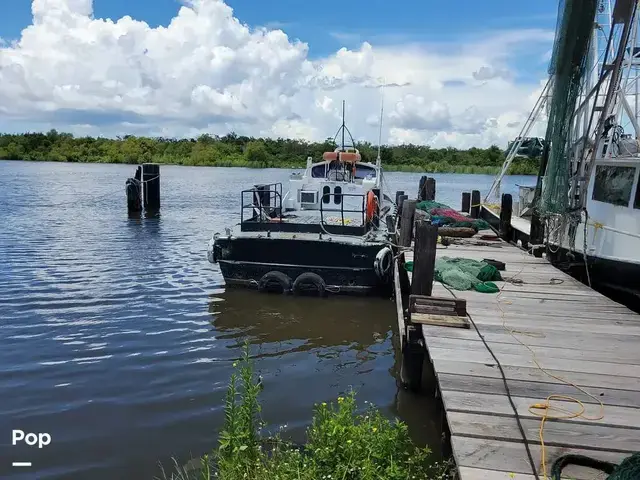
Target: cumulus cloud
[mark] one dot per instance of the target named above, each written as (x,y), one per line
(206,71)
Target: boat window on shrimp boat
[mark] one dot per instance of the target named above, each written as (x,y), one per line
(613,184)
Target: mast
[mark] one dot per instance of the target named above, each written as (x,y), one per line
(379,158)
(343,125)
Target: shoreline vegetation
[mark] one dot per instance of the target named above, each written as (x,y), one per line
(233,150)
(342,444)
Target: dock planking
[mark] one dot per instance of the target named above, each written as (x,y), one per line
(572,335)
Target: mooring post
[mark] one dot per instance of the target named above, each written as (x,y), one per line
(475,204)
(506,209)
(406,222)
(424,258)
(399,193)
(151,185)
(430,189)
(466,202)
(422,188)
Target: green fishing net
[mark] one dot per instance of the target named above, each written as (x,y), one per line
(467,274)
(464,274)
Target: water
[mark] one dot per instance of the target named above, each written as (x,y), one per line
(117,336)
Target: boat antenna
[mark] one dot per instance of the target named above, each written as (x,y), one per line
(343,125)
(379,158)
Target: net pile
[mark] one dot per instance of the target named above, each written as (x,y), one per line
(568,65)
(441,214)
(465,274)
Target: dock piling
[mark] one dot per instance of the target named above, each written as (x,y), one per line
(406,222)
(506,208)
(466,202)
(151,185)
(427,189)
(475,204)
(424,258)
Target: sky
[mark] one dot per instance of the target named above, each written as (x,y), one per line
(458,74)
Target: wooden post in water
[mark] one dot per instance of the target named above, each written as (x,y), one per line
(475,204)
(424,258)
(399,193)
(430,189)
(406,222)
(466,202)
(422,189)
(506,209)
(151,185)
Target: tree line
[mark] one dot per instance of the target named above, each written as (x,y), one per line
(234,150)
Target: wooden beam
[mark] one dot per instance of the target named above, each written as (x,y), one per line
(406,222)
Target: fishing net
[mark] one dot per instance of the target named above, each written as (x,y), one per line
(441,214)
(467,274)
(568,65)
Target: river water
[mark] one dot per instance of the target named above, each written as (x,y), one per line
(117,337)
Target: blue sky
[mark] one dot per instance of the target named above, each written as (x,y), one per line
(329,24)
(465,73)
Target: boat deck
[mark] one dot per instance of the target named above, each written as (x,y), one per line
(550,333)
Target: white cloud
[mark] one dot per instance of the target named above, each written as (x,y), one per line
(207,72)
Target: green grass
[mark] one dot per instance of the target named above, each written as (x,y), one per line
(342,444)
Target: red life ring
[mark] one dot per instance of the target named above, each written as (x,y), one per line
(372,203)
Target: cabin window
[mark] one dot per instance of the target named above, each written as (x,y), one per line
(308,197)
(362,171)
(319,171)
(337,197)
(326,194)
(613,184)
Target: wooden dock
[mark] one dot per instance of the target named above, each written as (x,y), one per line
(550,335)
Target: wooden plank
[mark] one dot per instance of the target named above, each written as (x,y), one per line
(539,337)
(533,389)
(559,434)
(569,365)
(455,321)
(462,366)
(480,403)
(467,473)
(619,327)
(511,457)
(543,354)
(426,304)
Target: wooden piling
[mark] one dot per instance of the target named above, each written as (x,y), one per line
(422,188)
(475,204)
(430,189)
(466,202)
(151,185)
(424,258)
(406,222)
(399,193)
(506,208)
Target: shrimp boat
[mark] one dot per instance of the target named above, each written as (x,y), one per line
(587,197)
(329,233)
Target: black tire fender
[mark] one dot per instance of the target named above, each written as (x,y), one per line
(275,282)
(310,283)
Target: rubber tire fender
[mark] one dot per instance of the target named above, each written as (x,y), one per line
(274,281)
(309,278)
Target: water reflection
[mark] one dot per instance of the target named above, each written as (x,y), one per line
(317,322)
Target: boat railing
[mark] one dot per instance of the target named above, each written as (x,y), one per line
(342,210)
(264,201)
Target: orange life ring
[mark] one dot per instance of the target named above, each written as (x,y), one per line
(372,203)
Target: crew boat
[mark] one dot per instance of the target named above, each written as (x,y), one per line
(329,233)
